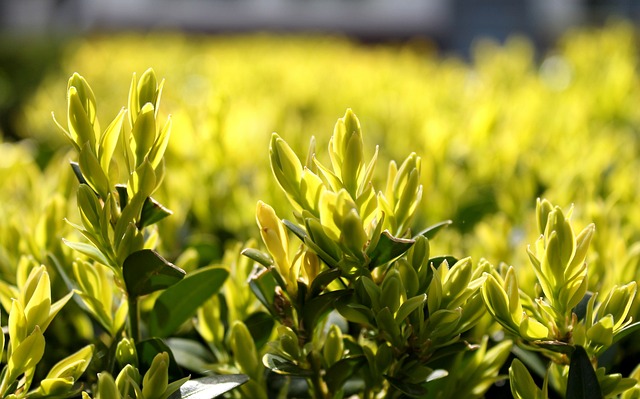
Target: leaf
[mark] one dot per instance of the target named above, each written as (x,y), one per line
(341,371)
(76,171)
(152,212)
(438,260)
(147,351)
(209,387)
(280,365)
(556,346)
(626,330)
(179,302)
(257,256)
(109,140)
(129,213)
(263,285)
(409,306)
(354,312)
(431,231)
(388,325)
(92,171)
(191,354)
(68,282)
(407,388)
(295,229)
(581,308)
(145,271)
(582,382)
(388,249)
(123,195)
(260,325)
(322,280)
(88,250)
(319,306)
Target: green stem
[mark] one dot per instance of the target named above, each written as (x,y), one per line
(134,318)
(320,389)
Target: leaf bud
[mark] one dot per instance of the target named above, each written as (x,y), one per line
(126,353)
(333,345)
(244,350)
(107,388)
(156,379)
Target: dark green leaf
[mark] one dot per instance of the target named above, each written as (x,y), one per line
(191,354)
(432,230)
(280,365)
(407,388)
(438,260)
(152,212)
(581,308)
(582,382)
(343,370)
(146,271)
(354,312)
(260,325)
(76,171)
(388,249)
(209,387)
(388,325)
(322,280)
(123,195)
(257,256)
(263,285)
(318,307)
(450,350)
(148,349)
(179,302)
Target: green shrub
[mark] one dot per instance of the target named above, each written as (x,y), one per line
(348,294)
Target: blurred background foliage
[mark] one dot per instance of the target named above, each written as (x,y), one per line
(494,133)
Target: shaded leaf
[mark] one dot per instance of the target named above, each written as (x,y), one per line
(322,280)
(319,306)
(180,301)
(556,346)
(76,171)
(582,382)
(145,271)
(407,388)
(147,351)
(263,285)
(260,325)
(438,260)
(388,249)
(341,371)
(191,354)
(152,212)
(123,195)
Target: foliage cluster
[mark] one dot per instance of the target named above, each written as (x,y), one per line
(347,293)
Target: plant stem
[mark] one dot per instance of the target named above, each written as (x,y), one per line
(320,389)
(134,318)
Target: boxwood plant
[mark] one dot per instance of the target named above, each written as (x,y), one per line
(343,297)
